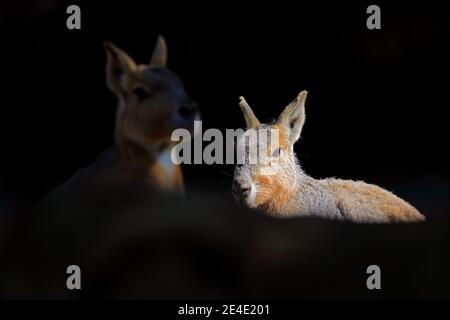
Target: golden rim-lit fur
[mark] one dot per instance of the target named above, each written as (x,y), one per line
(291,193)
(145,118)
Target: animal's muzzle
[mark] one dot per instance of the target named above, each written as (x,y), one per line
(239,193)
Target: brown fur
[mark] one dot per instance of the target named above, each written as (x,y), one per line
(357,194)
(152,103)
(272,193)
(166,182)
(283,136)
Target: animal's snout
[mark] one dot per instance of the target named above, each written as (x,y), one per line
(185,113)
(189,109)
(240,192)
(238,189)
(244,195)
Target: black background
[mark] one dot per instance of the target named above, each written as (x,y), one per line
(376,109)
(376,112)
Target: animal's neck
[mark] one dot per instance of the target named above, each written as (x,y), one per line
(152,162)
(133,156)
(284,194)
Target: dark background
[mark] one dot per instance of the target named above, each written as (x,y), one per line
(377,111)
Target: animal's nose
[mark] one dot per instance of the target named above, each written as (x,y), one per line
(188,110)
(239,190)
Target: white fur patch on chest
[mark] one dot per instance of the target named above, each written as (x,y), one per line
(251,198)
(166,163)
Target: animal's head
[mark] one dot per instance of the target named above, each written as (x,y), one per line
(270,182)
(152,99)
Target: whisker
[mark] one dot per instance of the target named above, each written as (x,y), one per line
(226,173)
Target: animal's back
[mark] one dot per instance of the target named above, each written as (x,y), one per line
(101,181)
(362,202)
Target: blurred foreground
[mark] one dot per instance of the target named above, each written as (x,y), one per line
(130,245)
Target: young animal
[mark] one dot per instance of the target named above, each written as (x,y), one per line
(289,192)
(152,103)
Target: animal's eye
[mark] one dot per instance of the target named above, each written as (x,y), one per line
(141,94)
(276,153)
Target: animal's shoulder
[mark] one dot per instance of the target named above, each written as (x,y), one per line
(102,164)
(81,180)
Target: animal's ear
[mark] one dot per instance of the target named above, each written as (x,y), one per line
(293,117)
(159,57)
(250,118)
(119,66)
